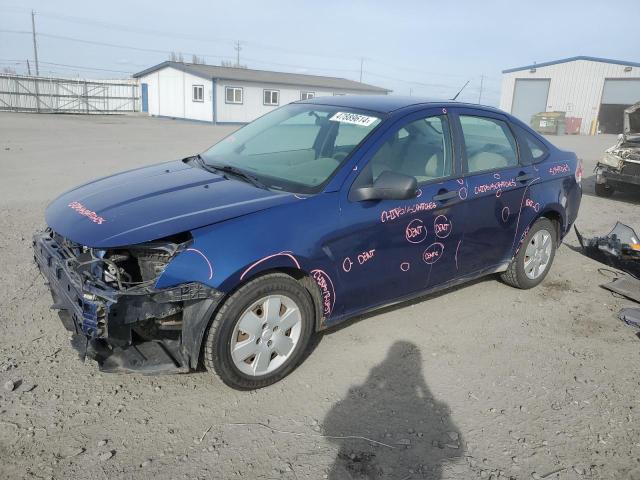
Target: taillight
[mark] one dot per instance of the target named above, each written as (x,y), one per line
(579,172)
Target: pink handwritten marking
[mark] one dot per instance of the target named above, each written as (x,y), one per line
(395,213)
(205,259)
(85,212)
(505,214)
(462,193)
(457,248)
(558,169)
(498,193)
(299,197)
(283,254)
(496,175)
(415,231)
(433,253)
(460,181)
(366,256)
(490,187)
(531,204)
(347,263)
(328,295)
(524,194)
(405,266)
(419,193)
(442,226)
(444,110)
(522,237)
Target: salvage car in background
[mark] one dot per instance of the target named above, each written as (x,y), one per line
(619,168)
(316,212)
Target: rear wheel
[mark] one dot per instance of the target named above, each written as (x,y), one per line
(604,190)
(260,333)
(533,261)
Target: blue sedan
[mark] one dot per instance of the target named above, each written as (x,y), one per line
(316,212)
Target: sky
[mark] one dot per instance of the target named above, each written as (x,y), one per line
(422,48)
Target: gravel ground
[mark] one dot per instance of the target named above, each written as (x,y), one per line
(481,381)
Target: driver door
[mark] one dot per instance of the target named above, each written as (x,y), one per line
(390,249)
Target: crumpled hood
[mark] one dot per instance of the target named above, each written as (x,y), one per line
(153,202)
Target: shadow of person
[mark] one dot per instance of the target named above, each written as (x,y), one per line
(394,407)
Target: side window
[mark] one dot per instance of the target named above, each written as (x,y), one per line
(532,149)
(488,144)
(421,149)
(198,93)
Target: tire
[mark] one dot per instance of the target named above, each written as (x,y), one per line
(519,274)
(604,190)
(247,339)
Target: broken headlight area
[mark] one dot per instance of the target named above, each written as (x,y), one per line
(107,297)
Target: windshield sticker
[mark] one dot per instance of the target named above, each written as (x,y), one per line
(353,118)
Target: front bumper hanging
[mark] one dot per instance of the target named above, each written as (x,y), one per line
(117,328)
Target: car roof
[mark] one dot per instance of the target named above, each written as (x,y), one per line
(386,103)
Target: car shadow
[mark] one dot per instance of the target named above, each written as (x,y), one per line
(406,303)
(402,430)
(628,196)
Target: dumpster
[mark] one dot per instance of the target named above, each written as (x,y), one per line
(573,125)
(549,122)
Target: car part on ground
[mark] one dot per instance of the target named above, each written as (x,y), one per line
(630,316)
(626,286)
(535,256)
(620,248)
(619,168)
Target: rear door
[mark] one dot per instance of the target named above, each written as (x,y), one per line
(496,180)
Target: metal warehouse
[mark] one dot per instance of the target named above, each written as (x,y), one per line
(592,92)
(232,95)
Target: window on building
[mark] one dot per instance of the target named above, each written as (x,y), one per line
(489,144)
(307,95)
(198,93)
(233,94)
(336,94)
(271,97)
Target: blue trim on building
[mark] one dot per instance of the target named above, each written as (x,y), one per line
(573,59)
(214,101)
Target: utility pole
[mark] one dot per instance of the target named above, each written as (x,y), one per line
(237,48)
(361,64)
(35,45)
(28,67)
(481,86)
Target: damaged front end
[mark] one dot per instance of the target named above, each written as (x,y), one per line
(620,165)
(108,299)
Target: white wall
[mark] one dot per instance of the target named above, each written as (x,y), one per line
(170,95)
(253,107)
(576,87)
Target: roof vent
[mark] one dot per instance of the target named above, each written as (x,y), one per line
(627,69)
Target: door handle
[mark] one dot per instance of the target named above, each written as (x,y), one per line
(441,197)
(523,177)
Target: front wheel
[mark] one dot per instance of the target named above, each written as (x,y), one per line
(260,333)
(533,261)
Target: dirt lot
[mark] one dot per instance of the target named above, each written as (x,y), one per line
(483,381)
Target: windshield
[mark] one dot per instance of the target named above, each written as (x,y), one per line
(295,148)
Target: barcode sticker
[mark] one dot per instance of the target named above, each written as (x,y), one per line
(354,118)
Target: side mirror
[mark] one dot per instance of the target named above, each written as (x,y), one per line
(388,186)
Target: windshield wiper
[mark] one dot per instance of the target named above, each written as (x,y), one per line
(238,173)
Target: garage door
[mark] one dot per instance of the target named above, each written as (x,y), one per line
(529,98)
(618,94)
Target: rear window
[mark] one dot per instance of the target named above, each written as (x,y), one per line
(489,144)
(532,149)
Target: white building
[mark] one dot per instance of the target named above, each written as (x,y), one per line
(232,95)
(595,90)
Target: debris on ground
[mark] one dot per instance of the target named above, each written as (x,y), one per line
(620,248)
(630,316)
